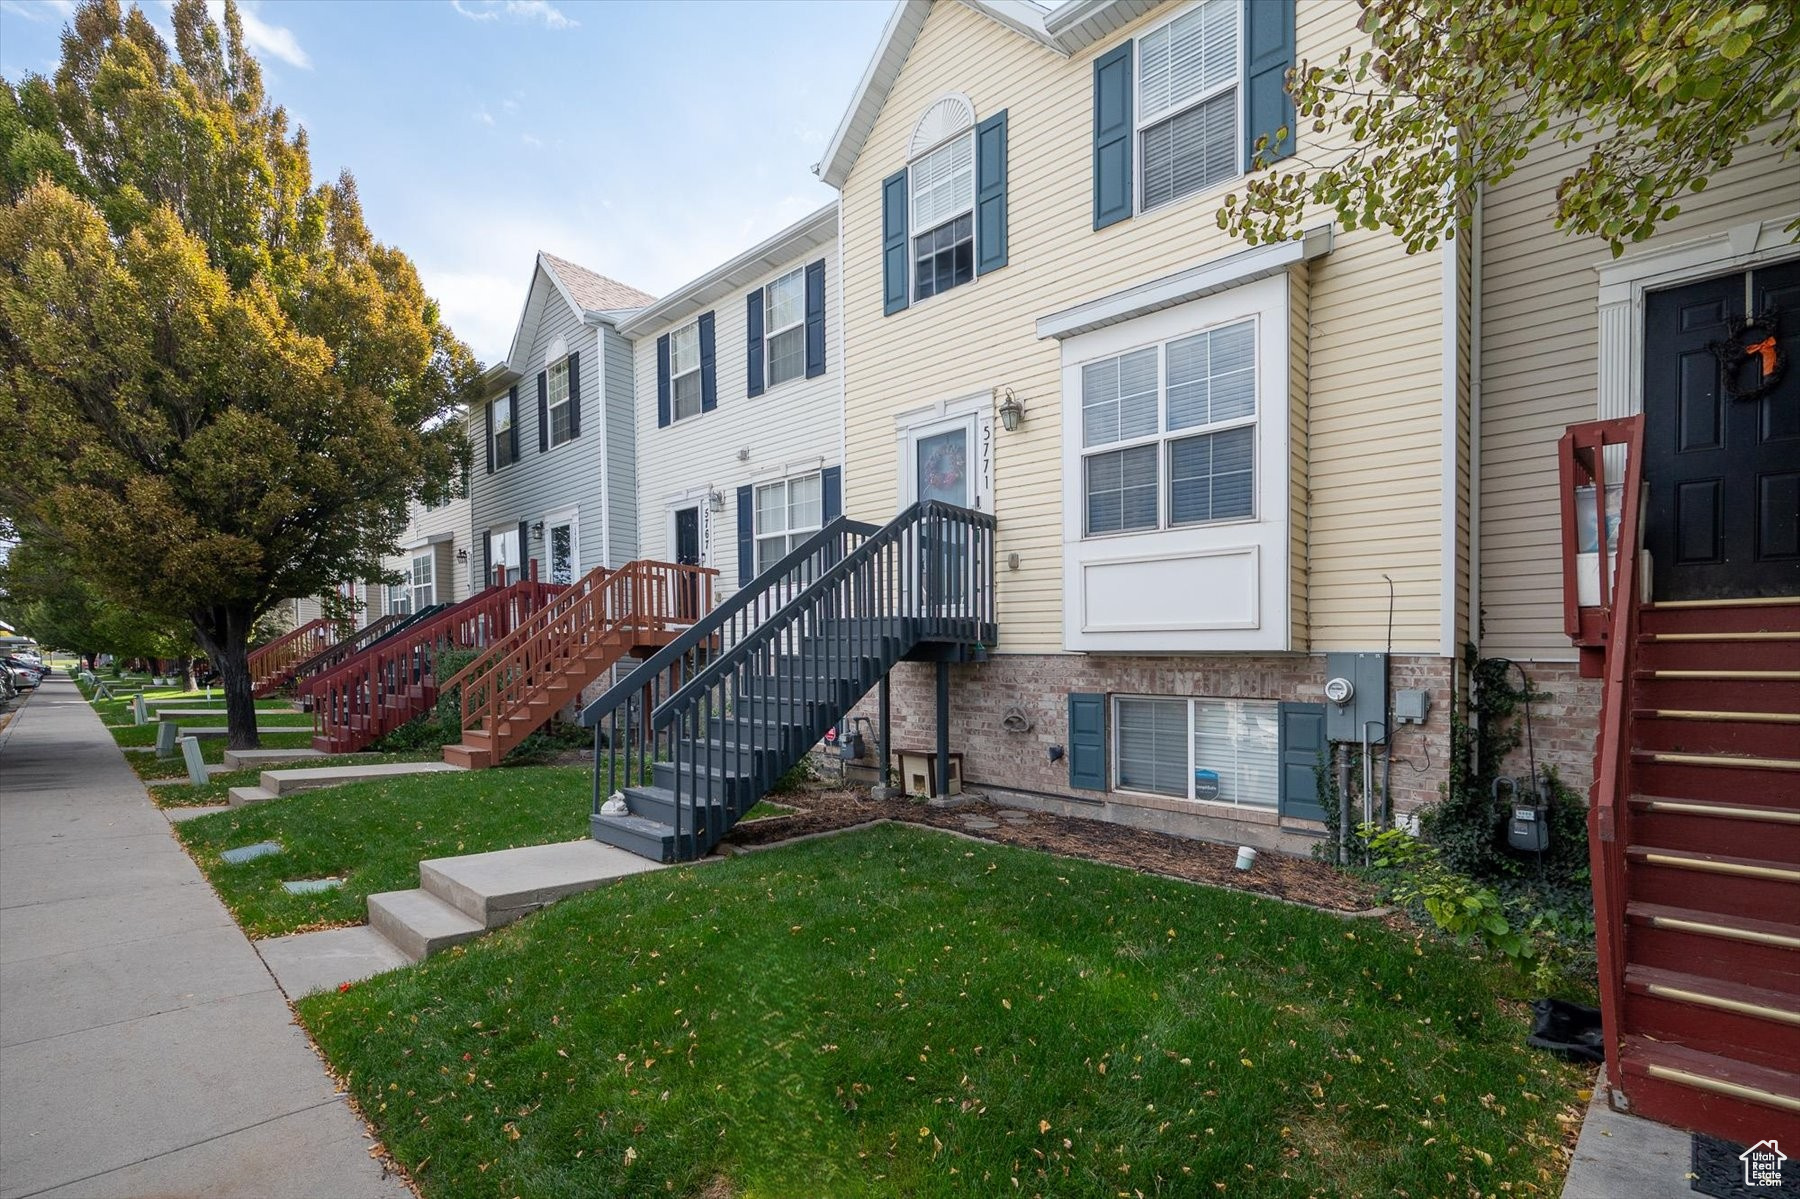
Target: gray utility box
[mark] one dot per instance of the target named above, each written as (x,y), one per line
(1366,706)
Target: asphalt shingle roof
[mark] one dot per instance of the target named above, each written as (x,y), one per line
(596,293)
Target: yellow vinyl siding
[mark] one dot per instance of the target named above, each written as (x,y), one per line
(1368,412)
(1539,372)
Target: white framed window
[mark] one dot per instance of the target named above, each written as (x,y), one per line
(556,386)
(399,597)
(1210,750)
(501,432)
(942,186)
(424,582)
(1168,433)
(684,372)
(787,513)
(784,327)
(1189,101)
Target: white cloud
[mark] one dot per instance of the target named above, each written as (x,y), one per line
(276,41)
(484,116)
(40,10)
(519,10)
(532,140)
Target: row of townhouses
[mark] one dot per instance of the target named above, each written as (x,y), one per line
(1212,468)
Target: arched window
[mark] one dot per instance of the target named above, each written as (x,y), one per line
(941,182)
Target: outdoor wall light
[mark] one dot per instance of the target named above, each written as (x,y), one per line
(715,499)
(537,531)
(1011,411)
(462,555)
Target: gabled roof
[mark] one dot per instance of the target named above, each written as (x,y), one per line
(589,292)
(802,237)
(1065,30)
(595,299)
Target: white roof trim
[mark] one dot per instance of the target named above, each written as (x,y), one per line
(808,233)
(419,543)
(1021,16)
(1080,23)
(1258,262)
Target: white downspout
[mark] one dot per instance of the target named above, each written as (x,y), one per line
(606,475)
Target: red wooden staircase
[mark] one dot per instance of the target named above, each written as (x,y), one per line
(272,666)
(395,680)
(525,678)
(1694,834)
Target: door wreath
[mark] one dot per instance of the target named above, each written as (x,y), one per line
(945,466)
(1753,338)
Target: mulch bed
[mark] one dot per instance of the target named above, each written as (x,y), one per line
(1280,875)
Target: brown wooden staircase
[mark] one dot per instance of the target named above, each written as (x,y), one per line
(703,728)
(1694,834)
(395,679)
(543,665)
(272,666)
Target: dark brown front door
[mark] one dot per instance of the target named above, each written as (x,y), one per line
(1724,473)
(687,552)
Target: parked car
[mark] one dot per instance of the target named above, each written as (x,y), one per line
(24,674)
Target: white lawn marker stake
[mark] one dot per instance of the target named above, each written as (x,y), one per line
(196,766)
(137,707)
(166,733)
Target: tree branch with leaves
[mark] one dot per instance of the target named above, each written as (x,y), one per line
(1449,95)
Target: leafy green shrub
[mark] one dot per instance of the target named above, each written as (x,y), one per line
(1456,903)
(798,777)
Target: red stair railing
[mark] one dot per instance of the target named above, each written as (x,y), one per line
(271,664)
(394,681)
(1613,624)
(641,598)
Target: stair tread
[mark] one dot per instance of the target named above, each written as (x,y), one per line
(1722,635)
(1777,676)
(1696,860)
(1723,811)
(1756,929)
(1734,760)
(1746,601)
(1785,1004)
(638,824)
(1642,1053)
(1704,714)
(426,914)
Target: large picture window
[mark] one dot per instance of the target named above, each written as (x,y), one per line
(1213,750)
(1187,103)
(557,387)
(943,210)
(684,371)
(784,322)
(1168,433)
(501,433)
(787,513)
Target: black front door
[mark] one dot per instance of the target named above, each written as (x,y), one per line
(687,553)
(1724,514)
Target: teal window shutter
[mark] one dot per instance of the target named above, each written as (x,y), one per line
(815,319)
(990,194)
(893,243)
(1268,57)
(746,534)
(1087,741)
(1301,738)
(1112,136)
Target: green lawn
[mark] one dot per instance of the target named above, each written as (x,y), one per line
(281,725)
(897,1012)
(212,751)
(373,835)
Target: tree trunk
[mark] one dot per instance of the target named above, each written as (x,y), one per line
(224,633)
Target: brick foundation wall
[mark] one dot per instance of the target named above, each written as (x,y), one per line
(1565,726)
(981,694)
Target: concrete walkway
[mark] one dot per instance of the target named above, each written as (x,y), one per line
(144,1047)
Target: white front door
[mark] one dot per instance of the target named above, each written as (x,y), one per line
(948,460)
(561,547)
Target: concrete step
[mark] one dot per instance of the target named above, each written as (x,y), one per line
(246,759)
(499,887)
(419,923)
(290,782)
(241,796)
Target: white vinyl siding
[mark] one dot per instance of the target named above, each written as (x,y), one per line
(557,386)
(787,513)
(1188,408)
(1187,103)
(684,371)
(501,433)
(1214,750)
(942,182)
(784,324)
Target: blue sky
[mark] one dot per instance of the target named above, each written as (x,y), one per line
(646,141)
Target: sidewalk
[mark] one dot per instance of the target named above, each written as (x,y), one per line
(144,1047)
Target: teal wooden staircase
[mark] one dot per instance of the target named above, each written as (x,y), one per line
(700,731)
